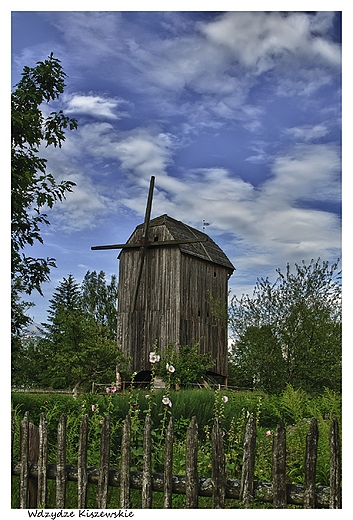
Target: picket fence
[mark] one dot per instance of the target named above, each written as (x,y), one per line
(34,470)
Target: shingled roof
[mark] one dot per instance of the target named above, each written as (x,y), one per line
(207,250)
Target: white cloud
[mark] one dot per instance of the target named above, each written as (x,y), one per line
(93,105)
(307,132)
(144,153)
(262,41)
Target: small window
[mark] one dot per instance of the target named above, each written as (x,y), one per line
(155,239)
(214,274)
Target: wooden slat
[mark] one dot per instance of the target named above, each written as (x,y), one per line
(33,455)
(147,465)
(82,478)
(310,466)
(247,475)
(125,465)
(218,466)
(191,473)
(279,467)
(61,477)
(168,465)
(12,433)
(335,467)
(42,462)
(24,475)
(103,481)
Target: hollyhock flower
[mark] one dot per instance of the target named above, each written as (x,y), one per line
(113,389)
(167,401)
(225,399)
(268,433)
(93,407)
(154,358)
(170,368)
(107,390)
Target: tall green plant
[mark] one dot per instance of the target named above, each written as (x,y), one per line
(295,323)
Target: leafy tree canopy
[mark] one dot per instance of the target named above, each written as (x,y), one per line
(289,331)
(32,188)
(76,346)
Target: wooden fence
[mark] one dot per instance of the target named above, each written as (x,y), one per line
(34,470)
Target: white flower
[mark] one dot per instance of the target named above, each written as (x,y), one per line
(170,368)
(154,358)
(225,399)
(167,401)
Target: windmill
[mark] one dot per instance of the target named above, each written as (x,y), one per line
(145,243)
(168,274)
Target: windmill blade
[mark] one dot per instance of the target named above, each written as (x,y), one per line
(146,223)
(144,242)
(138,279)
(116,246)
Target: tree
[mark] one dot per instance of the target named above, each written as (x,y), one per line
(290,331)
(99,299)
(75,348)
(32,188)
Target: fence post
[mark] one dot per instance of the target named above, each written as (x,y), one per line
(82,480)
(61,476)
(309,498)
(103,479)
(168,465)
(125,465)
(279,467)
(33,454)
(42,462)
(12,433)
(24,474)
(218,466)
(247,474)
(335,467)
(191,474)
(147,466)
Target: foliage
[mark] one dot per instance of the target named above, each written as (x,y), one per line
(190,366)
(99,299)
(294,325)
(32,188)
(75,348)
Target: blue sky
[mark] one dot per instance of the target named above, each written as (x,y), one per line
(237,114)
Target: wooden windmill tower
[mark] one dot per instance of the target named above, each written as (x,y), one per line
(170,277)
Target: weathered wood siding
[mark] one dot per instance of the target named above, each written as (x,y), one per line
(203,285)
(173,304)
(157,309)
